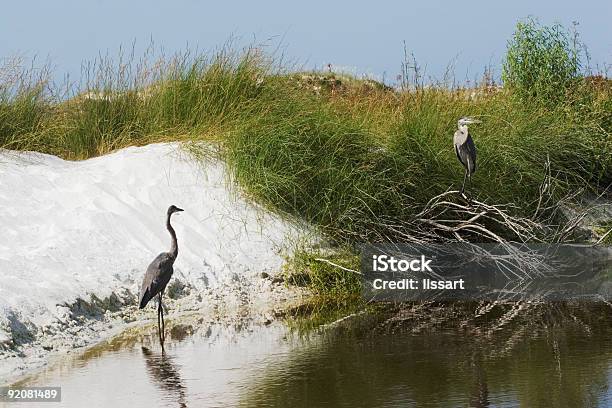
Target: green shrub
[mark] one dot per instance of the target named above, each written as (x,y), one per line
(541,61)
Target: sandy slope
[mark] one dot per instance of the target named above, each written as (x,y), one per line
(73,229)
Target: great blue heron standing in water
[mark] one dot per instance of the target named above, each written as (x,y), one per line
(158,274)
(465,149)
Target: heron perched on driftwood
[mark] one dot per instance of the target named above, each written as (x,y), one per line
(158,275)
(465,148)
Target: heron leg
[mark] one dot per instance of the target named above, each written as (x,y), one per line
(161,294)
(160,320)
(463,185)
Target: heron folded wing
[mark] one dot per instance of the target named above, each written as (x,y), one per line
(145,296)
(471,152)
(156,278)
(458,153)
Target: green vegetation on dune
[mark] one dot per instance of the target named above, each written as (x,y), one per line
(352,166)
(354,157)
(182,98)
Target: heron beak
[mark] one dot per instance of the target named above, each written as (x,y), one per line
(474,121)
(179,209)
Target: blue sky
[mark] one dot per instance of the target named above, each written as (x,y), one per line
(364,37)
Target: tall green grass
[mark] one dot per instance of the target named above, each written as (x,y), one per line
(353,157)
(24,104)
(122,103)
(316,160)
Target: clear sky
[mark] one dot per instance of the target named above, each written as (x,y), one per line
(365,37)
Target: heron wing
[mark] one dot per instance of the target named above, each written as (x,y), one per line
(458,153)
(156,278)
(471,150)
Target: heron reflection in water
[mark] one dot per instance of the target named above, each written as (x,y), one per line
(165,375)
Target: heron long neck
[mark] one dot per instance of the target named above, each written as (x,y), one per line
(463,128)
(174,247)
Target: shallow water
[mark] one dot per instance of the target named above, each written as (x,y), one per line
(346,365)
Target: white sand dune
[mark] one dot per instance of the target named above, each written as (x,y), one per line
(72,229)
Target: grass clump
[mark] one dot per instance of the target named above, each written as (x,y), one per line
(333,278)
(310,161)
(24,104)
(124,103)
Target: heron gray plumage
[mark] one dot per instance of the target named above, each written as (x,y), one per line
(158,275)
(465,148)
